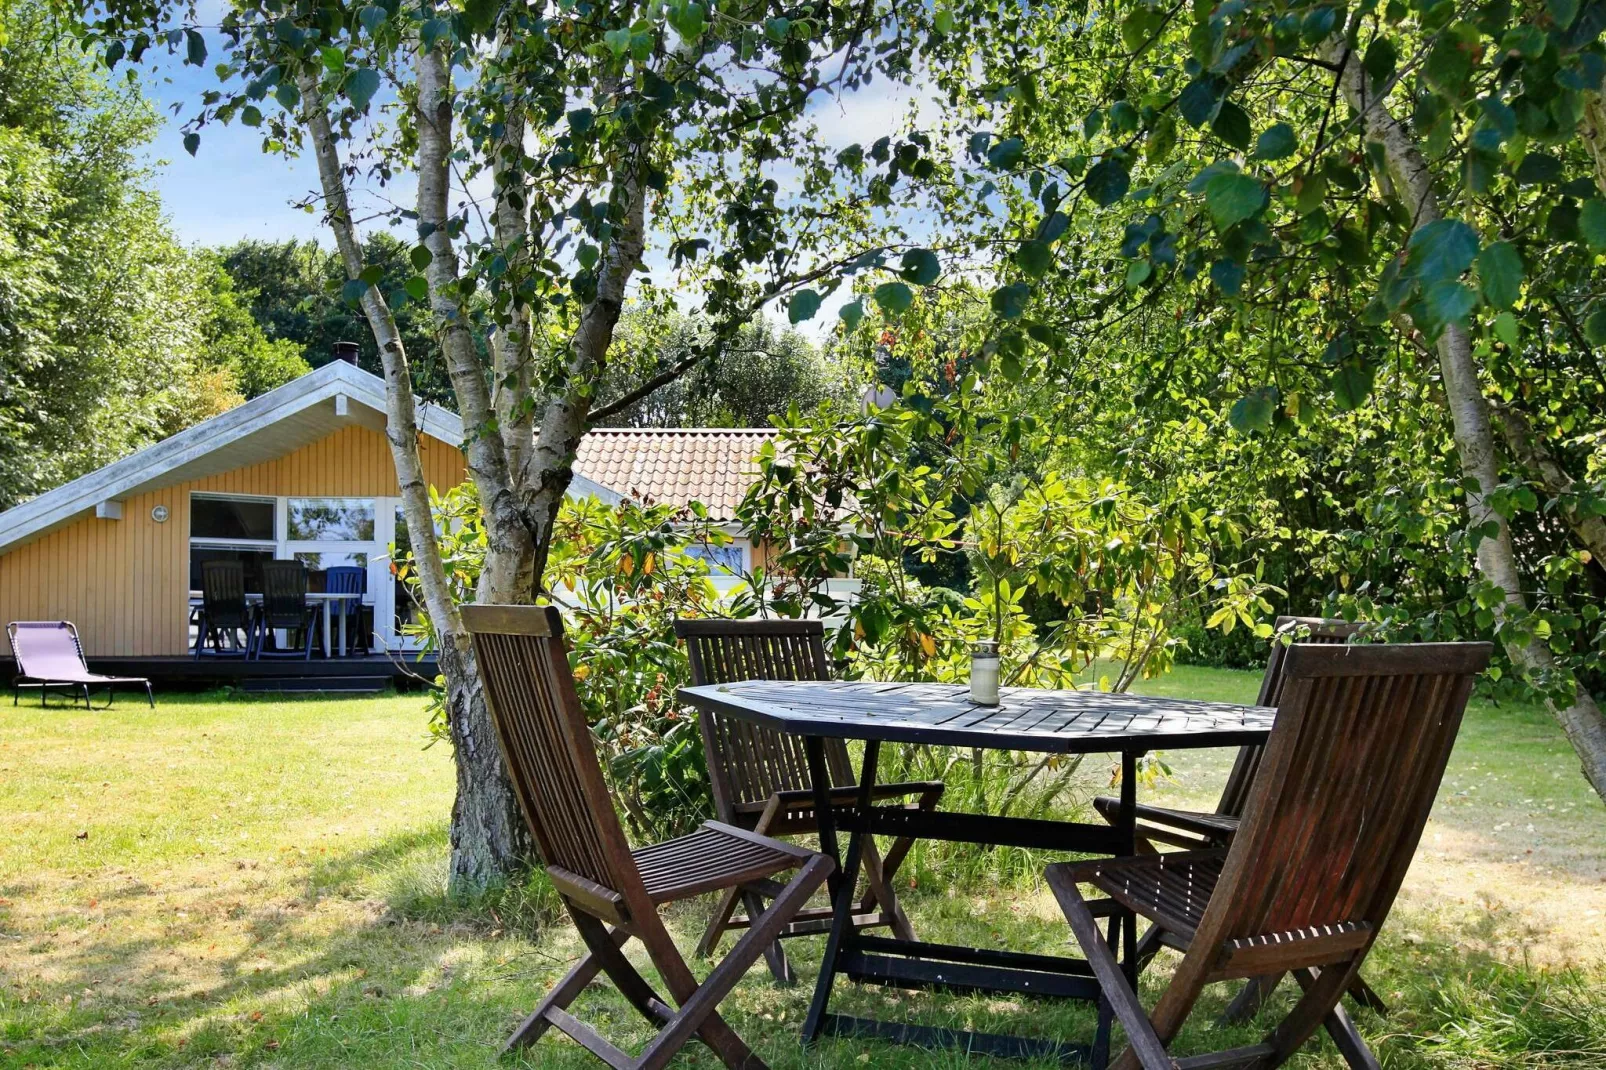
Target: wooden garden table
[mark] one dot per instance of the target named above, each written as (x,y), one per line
(1048,722)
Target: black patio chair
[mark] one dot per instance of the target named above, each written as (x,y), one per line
(227,621)
(285,606)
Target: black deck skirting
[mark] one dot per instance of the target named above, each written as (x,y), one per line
(402,669)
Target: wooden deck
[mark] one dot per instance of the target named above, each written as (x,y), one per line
(369,672)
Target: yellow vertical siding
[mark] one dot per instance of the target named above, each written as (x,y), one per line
(125,583)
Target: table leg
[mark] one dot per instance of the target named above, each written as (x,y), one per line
(1129,846)
(326,628)
(847,877)
(345,646)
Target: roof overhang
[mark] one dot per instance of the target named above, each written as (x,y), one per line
(297,414)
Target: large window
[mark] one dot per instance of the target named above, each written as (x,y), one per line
(726,560)
(232,519)
(232,528)
(329,520)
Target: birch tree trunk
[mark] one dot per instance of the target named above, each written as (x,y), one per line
(488,836)
(490,840)
(565,418)
(1469,415)
(401,416)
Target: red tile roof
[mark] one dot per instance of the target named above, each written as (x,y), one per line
(714,466)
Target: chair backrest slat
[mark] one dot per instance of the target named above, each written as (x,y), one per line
(284,593)
(1319,630)
(1362,737)
(547,747)
(749,763)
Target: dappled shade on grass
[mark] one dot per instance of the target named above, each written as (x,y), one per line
(263,884)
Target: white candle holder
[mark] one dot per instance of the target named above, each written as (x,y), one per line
(984,672)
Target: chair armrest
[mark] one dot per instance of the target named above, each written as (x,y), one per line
(803,799)
(1211,826)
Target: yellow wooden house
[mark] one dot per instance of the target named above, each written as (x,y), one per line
(302,472)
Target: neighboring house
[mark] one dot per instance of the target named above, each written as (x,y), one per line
(303,471)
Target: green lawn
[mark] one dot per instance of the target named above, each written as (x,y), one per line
(254,882)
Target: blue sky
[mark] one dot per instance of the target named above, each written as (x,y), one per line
(230,189)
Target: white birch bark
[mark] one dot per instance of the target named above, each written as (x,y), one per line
(508,576)
(401,416)
(1469,415)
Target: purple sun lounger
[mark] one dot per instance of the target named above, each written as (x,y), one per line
(49,655)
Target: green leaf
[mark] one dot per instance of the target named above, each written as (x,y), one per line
(1563,11)
(943,21)
(421,257)
(776,29)
(1034,258)
(1592,223)
(372,17)
(353,290)
(1352,384)
(1276,142)
(1137,273)
(1525,40)
(1505,329)
(803,305)
(361,87)
(251,115)
(1007,153)
(617,40)
(689,20)
(1107,181)
(372,275)
(1010,301)
(1231,125)
(1232,198)
(192,142)
(1500,274)
(921,267)
(334,59)
(1199,100)
(1254,411)
(851,314)
(1538,168)
(194,48)
(1381,58)
(894,298)
(580,120)
(1442,249)
(1595,327)
(587,255)
(417,288)
(432,31)
(1448,66)
(1228,275)
(287,95)
(1447,302)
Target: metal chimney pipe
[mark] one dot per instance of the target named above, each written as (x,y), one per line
(347,351)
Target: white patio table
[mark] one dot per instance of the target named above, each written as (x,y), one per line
(325,599)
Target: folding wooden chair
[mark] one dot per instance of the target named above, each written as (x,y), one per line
(613,893)
(761,777)
(1193,829)
(1333,819)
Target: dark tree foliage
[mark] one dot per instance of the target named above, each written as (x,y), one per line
(294,289)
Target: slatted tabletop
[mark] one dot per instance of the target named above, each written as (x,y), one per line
(1060,722)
